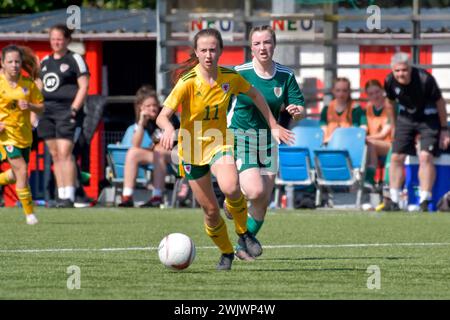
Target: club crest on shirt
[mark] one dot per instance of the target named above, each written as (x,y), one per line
(226,87)
(397,90)
(64,67)
(277,91)
(187,168)
(25,90)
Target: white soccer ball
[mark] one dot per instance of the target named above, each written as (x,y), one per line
(176,251)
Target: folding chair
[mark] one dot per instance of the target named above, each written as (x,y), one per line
(116,155)
(310,138)
(294,170)
(343,162)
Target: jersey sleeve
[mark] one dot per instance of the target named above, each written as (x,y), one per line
(323,116)
(432,89)
(36,96)
(241,85)
(388,87)
(81,68)
(177,96)
(294,94)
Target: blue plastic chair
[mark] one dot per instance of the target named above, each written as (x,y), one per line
(308,122)
(116,156)
(310,138)
(342,162)
(294,170)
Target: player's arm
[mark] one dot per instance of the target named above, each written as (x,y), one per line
(444,139)
(80,97)
(390,105)
(280,134)
(163,121)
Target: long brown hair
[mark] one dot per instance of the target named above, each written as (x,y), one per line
(192,61)
(349,99)
(30,62)
(373,82)
(144,92)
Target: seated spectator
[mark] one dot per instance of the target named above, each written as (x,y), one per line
(379,124)
(342,111)
(147,108)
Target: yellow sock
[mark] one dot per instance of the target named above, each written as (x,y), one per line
(26,200)
(7,177)
(219,236)
(238,209)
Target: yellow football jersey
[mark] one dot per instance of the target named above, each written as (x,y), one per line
(18,131)
(203,130)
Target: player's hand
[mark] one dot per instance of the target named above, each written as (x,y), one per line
(444,139)
(23,104)
(281,134)
(167,138)
(296,112)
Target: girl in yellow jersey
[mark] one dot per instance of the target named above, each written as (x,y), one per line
(204,91)
(18,97)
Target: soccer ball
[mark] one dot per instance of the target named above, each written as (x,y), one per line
(176,251)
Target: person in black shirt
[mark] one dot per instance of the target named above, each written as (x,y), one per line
(65,81)
(147,108)
(422,110)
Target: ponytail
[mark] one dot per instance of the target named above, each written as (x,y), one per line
(30,62)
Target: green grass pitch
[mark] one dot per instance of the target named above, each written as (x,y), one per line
(307,255)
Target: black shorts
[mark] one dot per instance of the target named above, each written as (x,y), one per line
(406,130)
(57,124)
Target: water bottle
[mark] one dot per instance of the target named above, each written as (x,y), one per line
(284,201)
(403,201)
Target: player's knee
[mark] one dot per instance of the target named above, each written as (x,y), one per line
(398,158)
(425,158)
(255,193)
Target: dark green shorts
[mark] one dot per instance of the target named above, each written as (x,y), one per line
(254,152)
(12,152)
(194,172)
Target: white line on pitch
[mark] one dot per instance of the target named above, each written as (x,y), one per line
(283,246)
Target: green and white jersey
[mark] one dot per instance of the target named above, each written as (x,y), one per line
(280,90)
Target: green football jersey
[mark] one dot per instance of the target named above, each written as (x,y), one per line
(280,90)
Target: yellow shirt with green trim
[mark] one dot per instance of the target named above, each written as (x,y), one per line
(17,125)
(203,131)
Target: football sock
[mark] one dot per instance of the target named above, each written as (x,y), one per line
(253,226)
(62,193)
(156,193)
(219,235)
(238,209)
(370,175)
(7,177)
(424,195)
(26,200)
(127,192)
(70,193)
(395,195)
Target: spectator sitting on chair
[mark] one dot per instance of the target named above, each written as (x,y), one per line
(422,111)
(147,108)
(379,126)
(342,111)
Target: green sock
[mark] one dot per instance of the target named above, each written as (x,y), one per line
(370,175)
(253,225)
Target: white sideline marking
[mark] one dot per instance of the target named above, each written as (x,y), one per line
(304,246)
